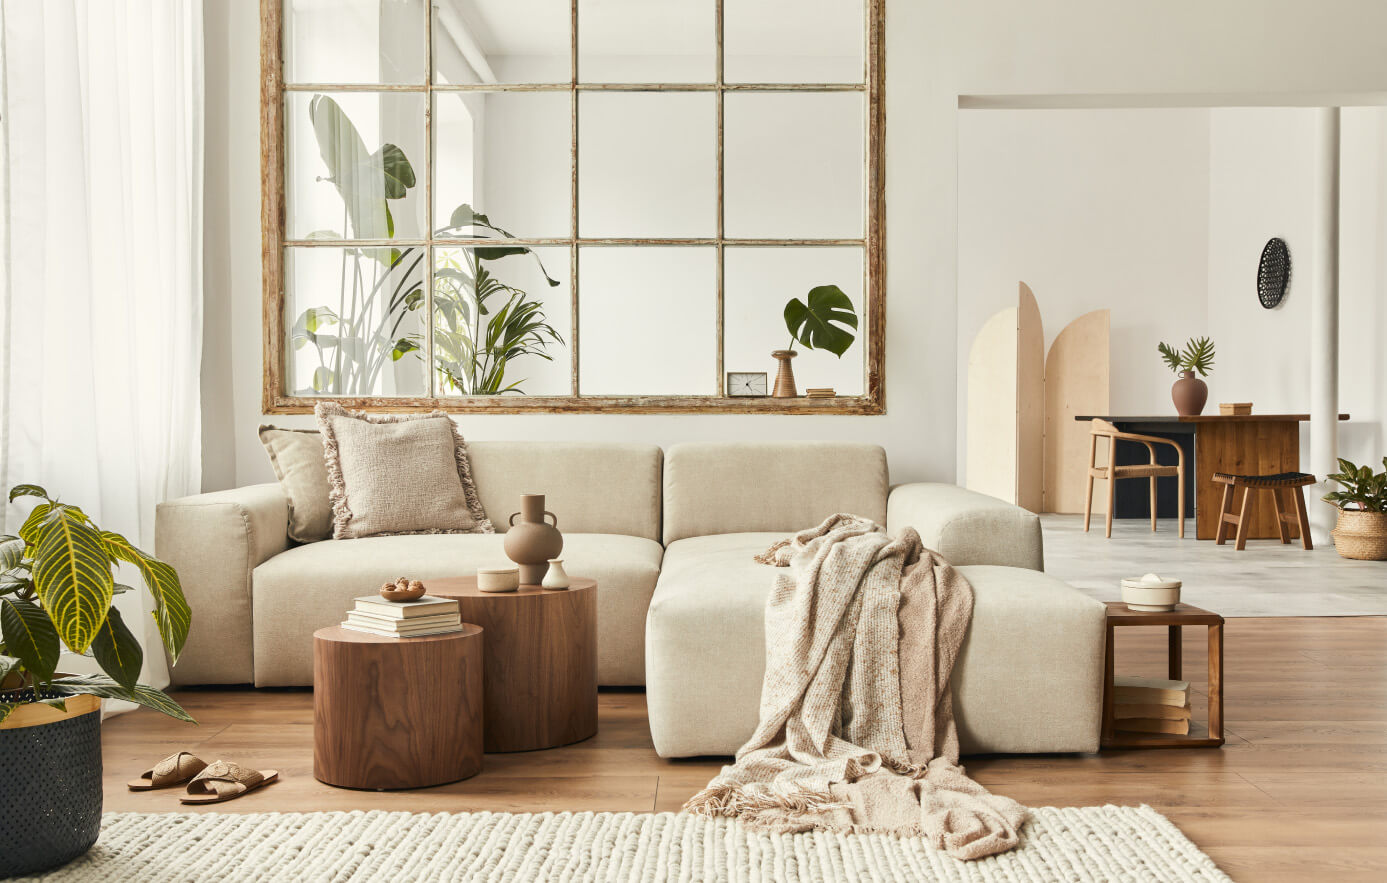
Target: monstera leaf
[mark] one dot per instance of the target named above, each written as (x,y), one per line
(824,322)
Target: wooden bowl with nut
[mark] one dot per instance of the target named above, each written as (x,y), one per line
(402,589)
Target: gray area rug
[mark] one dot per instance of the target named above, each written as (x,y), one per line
(1265,579)
(1098,843)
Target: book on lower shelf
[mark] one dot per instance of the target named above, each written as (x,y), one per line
(1150,691)
(1127,710)
(1153,725)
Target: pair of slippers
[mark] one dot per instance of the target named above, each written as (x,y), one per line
(206,783)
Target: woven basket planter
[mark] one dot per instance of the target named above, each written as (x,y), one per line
(50,784)
(1361,535)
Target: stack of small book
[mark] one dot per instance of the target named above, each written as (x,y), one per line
(411,619)
(820,392)
(1151,705)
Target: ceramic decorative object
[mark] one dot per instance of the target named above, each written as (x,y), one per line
(533,542)
(402,589)
(1151,593)
(556,577)
(1189,394)
(785,377)
(498,579)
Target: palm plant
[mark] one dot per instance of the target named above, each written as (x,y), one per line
(56,589)
(1198,355)
(481,324)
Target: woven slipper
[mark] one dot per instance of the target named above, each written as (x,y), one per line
(172,770)
(223,781)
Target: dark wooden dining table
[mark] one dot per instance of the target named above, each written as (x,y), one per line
(1249,444)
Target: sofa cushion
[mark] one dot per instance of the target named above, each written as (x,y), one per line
(738,487)
(309,587)
(1028,679)
(592,487)
(297,458)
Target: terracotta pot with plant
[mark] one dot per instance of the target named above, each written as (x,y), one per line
(825,320)
(1189,392)
(57,584)
(1361,531)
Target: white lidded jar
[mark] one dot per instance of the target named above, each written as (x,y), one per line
(1151,593)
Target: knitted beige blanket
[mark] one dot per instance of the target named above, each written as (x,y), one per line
(856,727)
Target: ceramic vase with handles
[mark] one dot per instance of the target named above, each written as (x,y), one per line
(1189,394)
(533,541)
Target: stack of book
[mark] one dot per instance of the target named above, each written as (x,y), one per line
(820,392)
(1151,705)
(411,619)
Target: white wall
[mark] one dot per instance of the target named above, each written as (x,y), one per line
(937,50)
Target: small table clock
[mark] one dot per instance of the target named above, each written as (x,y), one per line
(747,384)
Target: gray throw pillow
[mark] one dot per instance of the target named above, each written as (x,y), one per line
(398,474)
(297,458)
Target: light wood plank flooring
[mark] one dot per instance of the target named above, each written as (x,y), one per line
(1298,793)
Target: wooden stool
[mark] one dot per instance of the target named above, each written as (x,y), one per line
(1295,481)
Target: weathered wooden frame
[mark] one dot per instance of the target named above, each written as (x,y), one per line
(276,400)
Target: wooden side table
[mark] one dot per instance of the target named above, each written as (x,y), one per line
(383,718)
(1174,620)
(540,678)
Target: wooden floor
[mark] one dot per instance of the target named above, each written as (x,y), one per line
(1298,793)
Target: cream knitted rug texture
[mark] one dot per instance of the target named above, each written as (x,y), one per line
(1096,843)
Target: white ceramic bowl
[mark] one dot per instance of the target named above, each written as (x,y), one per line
(1151,593)
(498,579)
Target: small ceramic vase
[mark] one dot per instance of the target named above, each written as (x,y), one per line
(785,377)
(532,542)
(557,577)
(1189,394)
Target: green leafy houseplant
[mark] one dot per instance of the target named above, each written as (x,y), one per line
(1363,489)
(1197,356)
(481,324)
(827,321)
(56,587)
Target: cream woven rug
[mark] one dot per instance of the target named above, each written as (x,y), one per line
(1097,843)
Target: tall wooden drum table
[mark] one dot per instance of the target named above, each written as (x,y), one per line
(396,712)
(540,676)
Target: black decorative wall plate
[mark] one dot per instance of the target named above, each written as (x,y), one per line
(1273,272)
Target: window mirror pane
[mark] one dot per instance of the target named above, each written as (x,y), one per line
(757,284)
(355,321)
(793,165)
(502,41)
(647,164)
(355,165)
(647,41)
(793,41)
(649,320)
(506,155)
(354,41)
(517,343)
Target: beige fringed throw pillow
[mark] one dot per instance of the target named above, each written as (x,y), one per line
(297,458)
(398,475)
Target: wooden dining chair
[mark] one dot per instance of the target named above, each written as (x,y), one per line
(1112,473)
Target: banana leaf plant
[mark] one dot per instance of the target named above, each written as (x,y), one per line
(57,583)
(481,324)
(827,321)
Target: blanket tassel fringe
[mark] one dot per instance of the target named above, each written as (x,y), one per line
(725,799)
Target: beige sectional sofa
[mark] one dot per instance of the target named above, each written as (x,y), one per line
(669,536)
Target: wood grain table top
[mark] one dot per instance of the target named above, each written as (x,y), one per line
(1203,418)
(1183,614)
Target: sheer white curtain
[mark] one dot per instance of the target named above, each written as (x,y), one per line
(102,298)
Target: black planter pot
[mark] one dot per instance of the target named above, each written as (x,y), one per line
(50,789)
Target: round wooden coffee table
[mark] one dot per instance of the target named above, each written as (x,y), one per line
(540,677)
(384,718)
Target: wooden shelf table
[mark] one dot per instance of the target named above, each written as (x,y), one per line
(1120,616)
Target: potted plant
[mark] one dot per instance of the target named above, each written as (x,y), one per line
(56,587)
(825,320)
(1189,392)
(1360,532)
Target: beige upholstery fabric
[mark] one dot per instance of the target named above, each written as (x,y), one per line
(297,458)
(736,487)
(214,541)
(1029,677)
(397,474)
(967,527)
(592,487)
(309,587)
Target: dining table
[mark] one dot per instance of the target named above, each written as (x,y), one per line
(1236,444)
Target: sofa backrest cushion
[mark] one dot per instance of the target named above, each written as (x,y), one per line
(591,487)
(738,487)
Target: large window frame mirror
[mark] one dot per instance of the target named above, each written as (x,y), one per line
(633,242)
